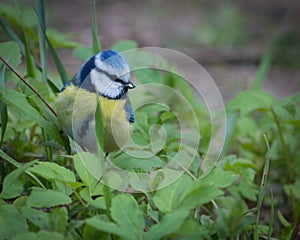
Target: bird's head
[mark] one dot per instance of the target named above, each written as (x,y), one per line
(107,73)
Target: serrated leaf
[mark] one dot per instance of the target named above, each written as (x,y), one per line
(219,178)
(11,222)
(37,217)
(126,213)
(52,171)
(169,224)
(12,184)
(45,198)
(250,100)
(186,194)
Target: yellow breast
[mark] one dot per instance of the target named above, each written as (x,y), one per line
(76,112)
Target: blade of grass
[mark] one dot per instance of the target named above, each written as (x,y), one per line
(287,158)
(59,66)
(99,135)
(3,107)
(17,165)
(29,64)
(40,12)
(262,188)
(264,66)
(96,42)
(271,217)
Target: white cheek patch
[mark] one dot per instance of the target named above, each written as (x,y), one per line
(100,81)
(104,86)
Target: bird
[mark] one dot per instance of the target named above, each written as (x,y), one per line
(105,79)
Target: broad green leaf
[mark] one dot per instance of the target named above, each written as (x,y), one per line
(250,100)
(101,223)
(41,235)
(83,52)
(87,166)
(10,51)
(13,184)
(52,171)
(99,202)
(58,219)
(60,39)
(219,178)
(11,222)
(127,162)
(167,199)
(19,101)
(124,45)
(37,217)
(186,194)
(45,198)
(28,19)
(126,213)
(169,224)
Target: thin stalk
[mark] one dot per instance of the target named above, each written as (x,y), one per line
(96,42)
(262,189)
(284,147)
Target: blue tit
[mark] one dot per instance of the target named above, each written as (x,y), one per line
(104,78)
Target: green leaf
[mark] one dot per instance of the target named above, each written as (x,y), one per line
(10,51)
(58,219)
(126,213)
(83,52)
(41,235)
(52,171)
(87,167)
(219,178)
(11,222)
(19,101)
(13,184)
(186,194)
(170,223)
(250,100)
(37,217)
(45,198)
(167,199)
(124,45)
(101,223)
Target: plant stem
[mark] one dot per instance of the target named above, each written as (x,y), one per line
(284,147)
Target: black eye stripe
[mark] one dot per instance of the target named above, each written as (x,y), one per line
(119,80)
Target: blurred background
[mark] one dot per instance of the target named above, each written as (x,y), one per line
(228,38)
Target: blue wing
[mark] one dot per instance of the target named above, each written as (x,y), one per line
(129,111)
